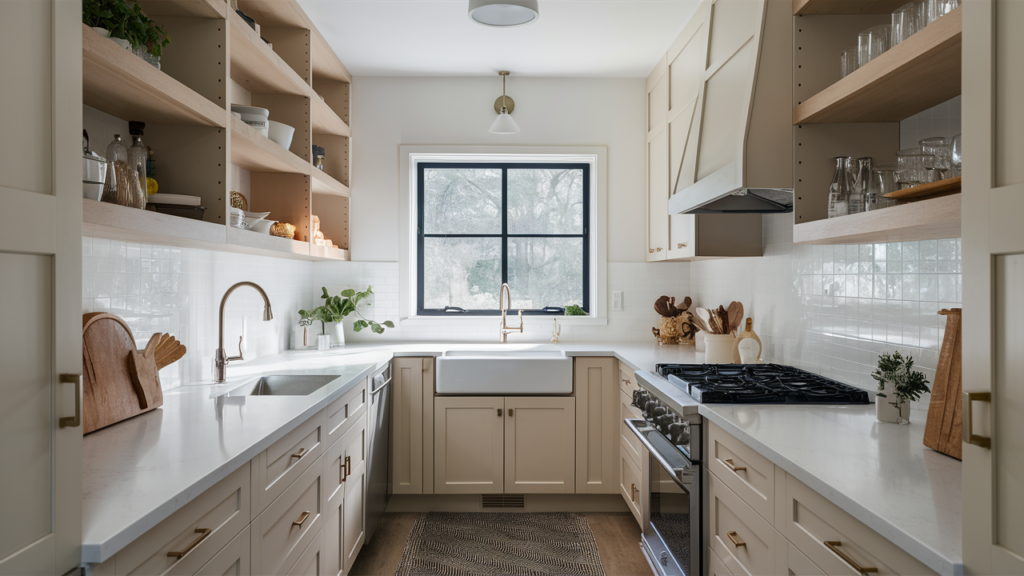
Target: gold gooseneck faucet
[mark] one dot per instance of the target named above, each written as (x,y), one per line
(505,328)
(222,359)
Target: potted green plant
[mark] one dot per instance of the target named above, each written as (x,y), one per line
(335,309)
(898,385)
(125,23)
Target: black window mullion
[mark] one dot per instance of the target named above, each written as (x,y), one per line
(504,230)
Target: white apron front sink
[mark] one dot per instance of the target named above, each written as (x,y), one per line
(504,372)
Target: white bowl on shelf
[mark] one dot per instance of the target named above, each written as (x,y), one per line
(262,226)
(281,134)
(254,116)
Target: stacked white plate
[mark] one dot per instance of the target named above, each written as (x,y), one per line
(176,199)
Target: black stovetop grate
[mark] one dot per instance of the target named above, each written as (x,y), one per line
(759,384)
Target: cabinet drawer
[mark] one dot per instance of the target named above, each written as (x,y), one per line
(343,412)
(278,466)
(630,443)
(200,529)
(716,566)
(342,459)
(798,564)
(232,560)
(750,475)
(630,486)
(284,530)
(743,540)
(311,561)
(627,380)
(825,533)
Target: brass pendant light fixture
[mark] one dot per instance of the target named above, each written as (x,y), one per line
(504,124)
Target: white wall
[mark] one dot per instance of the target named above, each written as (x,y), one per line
(389,112)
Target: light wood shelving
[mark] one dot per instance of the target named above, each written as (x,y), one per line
(117,82)
(914,75)
(193,127)
(924,220)
(254,151)
(845,7)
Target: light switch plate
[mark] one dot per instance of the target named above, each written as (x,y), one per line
(617,303)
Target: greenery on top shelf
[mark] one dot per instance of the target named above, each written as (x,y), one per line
(908,384)
(126,20)
(336,308)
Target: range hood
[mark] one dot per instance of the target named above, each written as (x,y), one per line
(738,157)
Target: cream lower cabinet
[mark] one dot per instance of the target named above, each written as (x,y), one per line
(596,386)
(412,429)
(493,444)
(344,494)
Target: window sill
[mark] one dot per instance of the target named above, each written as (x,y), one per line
(494,320)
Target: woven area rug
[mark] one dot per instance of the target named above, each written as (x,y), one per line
(484,544)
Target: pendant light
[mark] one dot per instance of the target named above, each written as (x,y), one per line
(504,13)
(504,124)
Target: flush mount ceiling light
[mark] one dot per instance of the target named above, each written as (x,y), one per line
(504,124)
(504,13)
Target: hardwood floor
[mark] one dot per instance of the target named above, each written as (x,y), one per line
(617,535)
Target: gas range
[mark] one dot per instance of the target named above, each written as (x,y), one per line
(758,384)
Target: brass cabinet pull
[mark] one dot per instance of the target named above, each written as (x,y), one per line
(509,412)
(632,492)
(658,249)
(203,533)
(733,467)
(300,453)
(681,245)
(342,473)
(348,466)
(76,420)
(499,412)
(834,545)
(650,250)
(301,519)
(736,539)
(969,398)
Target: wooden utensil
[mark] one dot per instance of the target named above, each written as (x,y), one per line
(705,317)
(145,374)
(168,351)
(700,323)
(735,315)
(723,318)
(944,427)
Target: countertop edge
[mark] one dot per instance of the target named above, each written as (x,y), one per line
(96,553)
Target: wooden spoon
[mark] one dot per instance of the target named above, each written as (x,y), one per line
(735,315)
(700,323)
(705,317)
(723,319)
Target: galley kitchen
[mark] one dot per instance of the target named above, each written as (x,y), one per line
(489,287)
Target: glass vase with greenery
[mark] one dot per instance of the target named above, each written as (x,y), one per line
(125,19)
(907,384)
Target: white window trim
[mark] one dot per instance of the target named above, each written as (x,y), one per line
(596,156)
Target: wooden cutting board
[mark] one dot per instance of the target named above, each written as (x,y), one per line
(114,388)
(942,432)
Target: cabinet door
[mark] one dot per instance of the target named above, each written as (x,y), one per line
(631,486)
(41,283)
(540,445)
(411,431)
(597,425)
(993,261)
(232,560)
(344,493)
(469,444)
(354,518)
(657,195)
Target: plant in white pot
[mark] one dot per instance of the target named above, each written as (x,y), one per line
(898,385)
(334,310)
(124,22)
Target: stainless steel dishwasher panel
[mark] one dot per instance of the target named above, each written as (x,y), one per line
(378,489)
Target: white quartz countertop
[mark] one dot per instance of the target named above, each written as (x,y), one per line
(882,474)
(138,472)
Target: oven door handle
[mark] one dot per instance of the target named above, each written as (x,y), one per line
(670,458)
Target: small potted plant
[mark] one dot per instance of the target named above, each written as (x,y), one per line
(334,310)
(124,22)
(898,385)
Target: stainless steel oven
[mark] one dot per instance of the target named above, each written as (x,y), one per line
(672,529)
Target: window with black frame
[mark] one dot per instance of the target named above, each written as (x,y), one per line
(480,225)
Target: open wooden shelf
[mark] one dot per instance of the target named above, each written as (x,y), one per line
(265,243)
(324,183)
(104,220)
(257,153)
(847,7)
(329,253)
(916,74)
(192,8)
(924,220)
(326,120)
(117,82)
(256,67)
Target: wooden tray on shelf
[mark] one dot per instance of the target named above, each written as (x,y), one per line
(930,190)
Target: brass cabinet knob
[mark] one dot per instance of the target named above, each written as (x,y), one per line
(659,249)
(650,250)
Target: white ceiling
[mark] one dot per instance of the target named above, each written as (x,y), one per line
(572,38)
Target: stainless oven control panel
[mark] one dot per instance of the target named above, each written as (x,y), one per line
(683,431)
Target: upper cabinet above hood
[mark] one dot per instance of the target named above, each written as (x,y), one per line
(729,91)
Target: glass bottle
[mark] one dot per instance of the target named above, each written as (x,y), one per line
(839,191)
(114,188)
(860,186)
(138,155)
(882,182)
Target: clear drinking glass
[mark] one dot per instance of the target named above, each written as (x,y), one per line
(936,157)
(856,203)
(872,42)
(839,190)
(847,61)
(882,182)
(956,156)
(910,170)
(906,20)
(939,8)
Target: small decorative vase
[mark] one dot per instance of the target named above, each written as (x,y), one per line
(337,332)
(102,31)
(122,43)
(323,342)
(885,411)
(718,348)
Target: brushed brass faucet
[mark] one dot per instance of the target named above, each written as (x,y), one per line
(222,358)
(506,292)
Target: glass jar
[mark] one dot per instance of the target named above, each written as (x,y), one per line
(860,186)
(882,182)
(839,190)
(138,157)
(118,186)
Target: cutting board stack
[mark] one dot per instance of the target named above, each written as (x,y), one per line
(121,381)
(943,431)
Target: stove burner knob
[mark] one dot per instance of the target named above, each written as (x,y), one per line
(679,432)
(649,407)
(659,411)
(664,420)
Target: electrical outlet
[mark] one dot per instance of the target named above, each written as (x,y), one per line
(617,300)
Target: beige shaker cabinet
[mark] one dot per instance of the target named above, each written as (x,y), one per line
(596,387)
(469,447)
(344,494)
(540,445)
(412,428)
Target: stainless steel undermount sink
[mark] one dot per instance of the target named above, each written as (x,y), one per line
(504,372)
(284,385)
